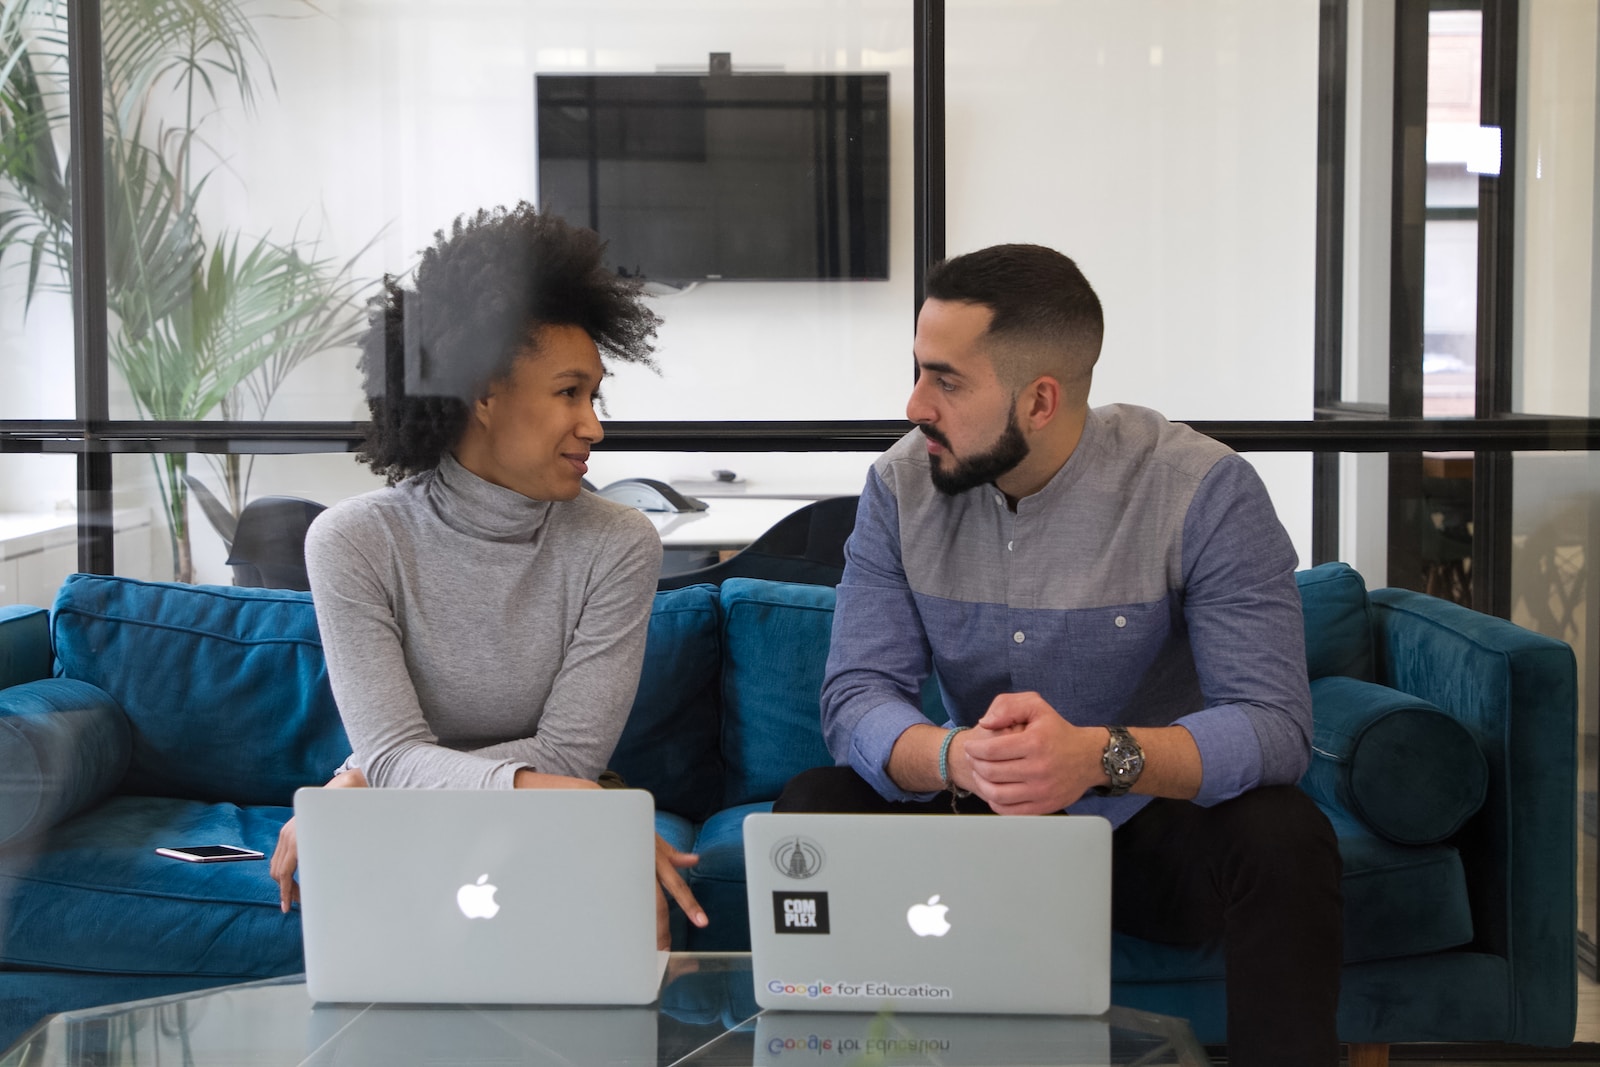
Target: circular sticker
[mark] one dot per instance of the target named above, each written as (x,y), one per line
(797,857)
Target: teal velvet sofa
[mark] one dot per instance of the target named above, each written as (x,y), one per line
(135,714)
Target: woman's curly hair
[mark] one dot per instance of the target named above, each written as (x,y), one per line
(482,292)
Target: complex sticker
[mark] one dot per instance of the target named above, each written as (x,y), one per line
(799,913)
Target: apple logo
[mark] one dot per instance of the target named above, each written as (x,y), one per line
(927,920)
(477,901)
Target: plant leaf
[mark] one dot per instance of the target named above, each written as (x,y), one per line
(224,521)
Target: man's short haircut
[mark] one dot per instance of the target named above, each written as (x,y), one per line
(1046,318)
(481,294)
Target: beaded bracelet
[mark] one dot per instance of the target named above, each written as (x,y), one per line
(956,792)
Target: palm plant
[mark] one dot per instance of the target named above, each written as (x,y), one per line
(200,324)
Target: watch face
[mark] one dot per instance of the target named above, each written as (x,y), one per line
(1123,758)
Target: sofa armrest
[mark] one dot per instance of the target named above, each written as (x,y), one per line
(1516,691)
(64,745)
(24,644)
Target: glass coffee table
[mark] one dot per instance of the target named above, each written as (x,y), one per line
(707,1015)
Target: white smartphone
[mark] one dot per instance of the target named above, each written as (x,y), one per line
(211,853)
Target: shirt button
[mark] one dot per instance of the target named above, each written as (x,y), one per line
(1009,544)
(1121,622)
(1018,637)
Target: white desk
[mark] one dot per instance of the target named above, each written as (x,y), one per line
(39,549)
(727,522)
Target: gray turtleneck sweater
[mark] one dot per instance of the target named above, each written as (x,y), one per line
(471,631)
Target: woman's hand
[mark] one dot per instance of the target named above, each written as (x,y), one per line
(668,881)
(668,859)
(286,857)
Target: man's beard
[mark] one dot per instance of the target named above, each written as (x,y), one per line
(1010,450)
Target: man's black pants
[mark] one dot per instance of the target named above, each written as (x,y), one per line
(1259,872)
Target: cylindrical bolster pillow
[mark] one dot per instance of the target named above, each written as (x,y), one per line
(64,744)
(1407,770)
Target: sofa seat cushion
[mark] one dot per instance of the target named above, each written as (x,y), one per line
(1338,622)
(1399,900)
(720,843)
(669,744)
(718,880)
(226,689)
(678,832)
(64,745)
(1408,771)
(92,895)
(775,646)
(1136,960)
(675,830)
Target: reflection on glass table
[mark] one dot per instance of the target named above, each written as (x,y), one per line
(707,1015)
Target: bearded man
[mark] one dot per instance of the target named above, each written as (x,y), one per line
(1107,600)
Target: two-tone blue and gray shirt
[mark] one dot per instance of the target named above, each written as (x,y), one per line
(1148,583)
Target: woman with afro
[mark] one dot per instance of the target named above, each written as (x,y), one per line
(484,619)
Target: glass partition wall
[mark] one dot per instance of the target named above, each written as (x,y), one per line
(1354,239)
(1554,369)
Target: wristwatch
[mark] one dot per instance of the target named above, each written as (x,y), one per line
(1123,761)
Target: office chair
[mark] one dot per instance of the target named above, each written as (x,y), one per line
(804,546)
(269,543)
(648,494)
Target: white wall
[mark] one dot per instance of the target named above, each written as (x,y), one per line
(1369,162)
(1557,231)
(394,120)
(1169,147)
(36,382)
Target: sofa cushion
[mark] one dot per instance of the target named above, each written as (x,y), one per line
(226,689)
(99,899)
(63,745)
(1398,901)
(1407,770)
(24,644)
(1338,621)
(675,830)
(669,745)
(774,647)
(718,880)
(678,832)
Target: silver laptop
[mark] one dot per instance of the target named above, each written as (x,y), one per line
(518,896)
(930,913)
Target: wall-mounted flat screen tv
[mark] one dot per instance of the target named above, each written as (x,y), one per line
(735,176)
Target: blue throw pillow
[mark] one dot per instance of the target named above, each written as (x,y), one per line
(226,689)
(63,746)
(669,745)
(1409,772)
(775,646)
